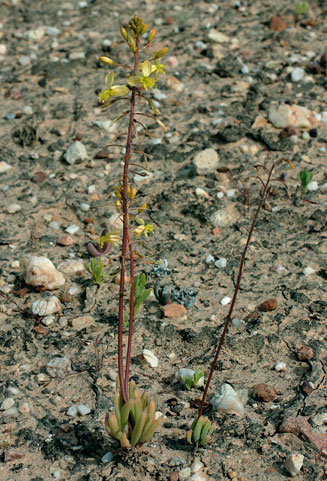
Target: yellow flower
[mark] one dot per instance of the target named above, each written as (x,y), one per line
(142,229)
(112,90)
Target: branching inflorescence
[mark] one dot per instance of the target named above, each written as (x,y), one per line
(133,419)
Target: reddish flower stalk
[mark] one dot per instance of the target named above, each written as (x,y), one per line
(239,277)
(126,245)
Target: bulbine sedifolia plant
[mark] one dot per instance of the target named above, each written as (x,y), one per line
(133,420)
(201,427)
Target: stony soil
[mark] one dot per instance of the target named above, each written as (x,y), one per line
(217,95)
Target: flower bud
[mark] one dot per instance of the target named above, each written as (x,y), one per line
(161,52)
(151,34)
(124,34)
(118,205)
(107,60)
(141,208)
(133,193)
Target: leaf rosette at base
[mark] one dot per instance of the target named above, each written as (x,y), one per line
(200,431)
(135,421)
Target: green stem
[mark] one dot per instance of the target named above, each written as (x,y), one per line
(239,277)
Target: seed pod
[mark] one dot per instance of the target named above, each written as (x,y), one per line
(133,193)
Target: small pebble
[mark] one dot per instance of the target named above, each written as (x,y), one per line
(76,56)
(24,408)
(308,271)
(73,290)
(171,61)
(196,466)
(54,225)
(264,392)
(236,322)
(46,306)
(4,167)
(84,207)
(150,358)
(72,411)
(7,404)
(220,195)
(221,263)
(65,240)
(280,367)
(312,186)
(13,208)
(24,60)
(225,300)
(209,259)
(294,463)
(305,353)
(83,410)
(201,193)
(48,320)
(72,229)
(107,457)
(305,136)
(297,74)
(269,305)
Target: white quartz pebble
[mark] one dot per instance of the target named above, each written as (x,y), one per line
(308,271)
(72,229)
(225,300)
(221,263)
(280,367)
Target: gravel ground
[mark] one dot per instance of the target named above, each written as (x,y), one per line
(244,80)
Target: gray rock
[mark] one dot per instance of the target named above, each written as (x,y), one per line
(82,410)
(59,367)
(76,153)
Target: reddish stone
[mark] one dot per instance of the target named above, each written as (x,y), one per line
(103,154)
(305,353)
(318,440)
(216,231)
(289,131)
(294,425)
(169,20)
(264,392)
(269,305)
(12,455)
(39,330)
(173,476)
(65,240)
(39,177)
(88,220)
(306,388)
(173,310)
(66,297)
(277,24)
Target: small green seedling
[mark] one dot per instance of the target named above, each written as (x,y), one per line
(305,178)
(194,382)
(300,9)
(200,431)
(95,268)
(140,295)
